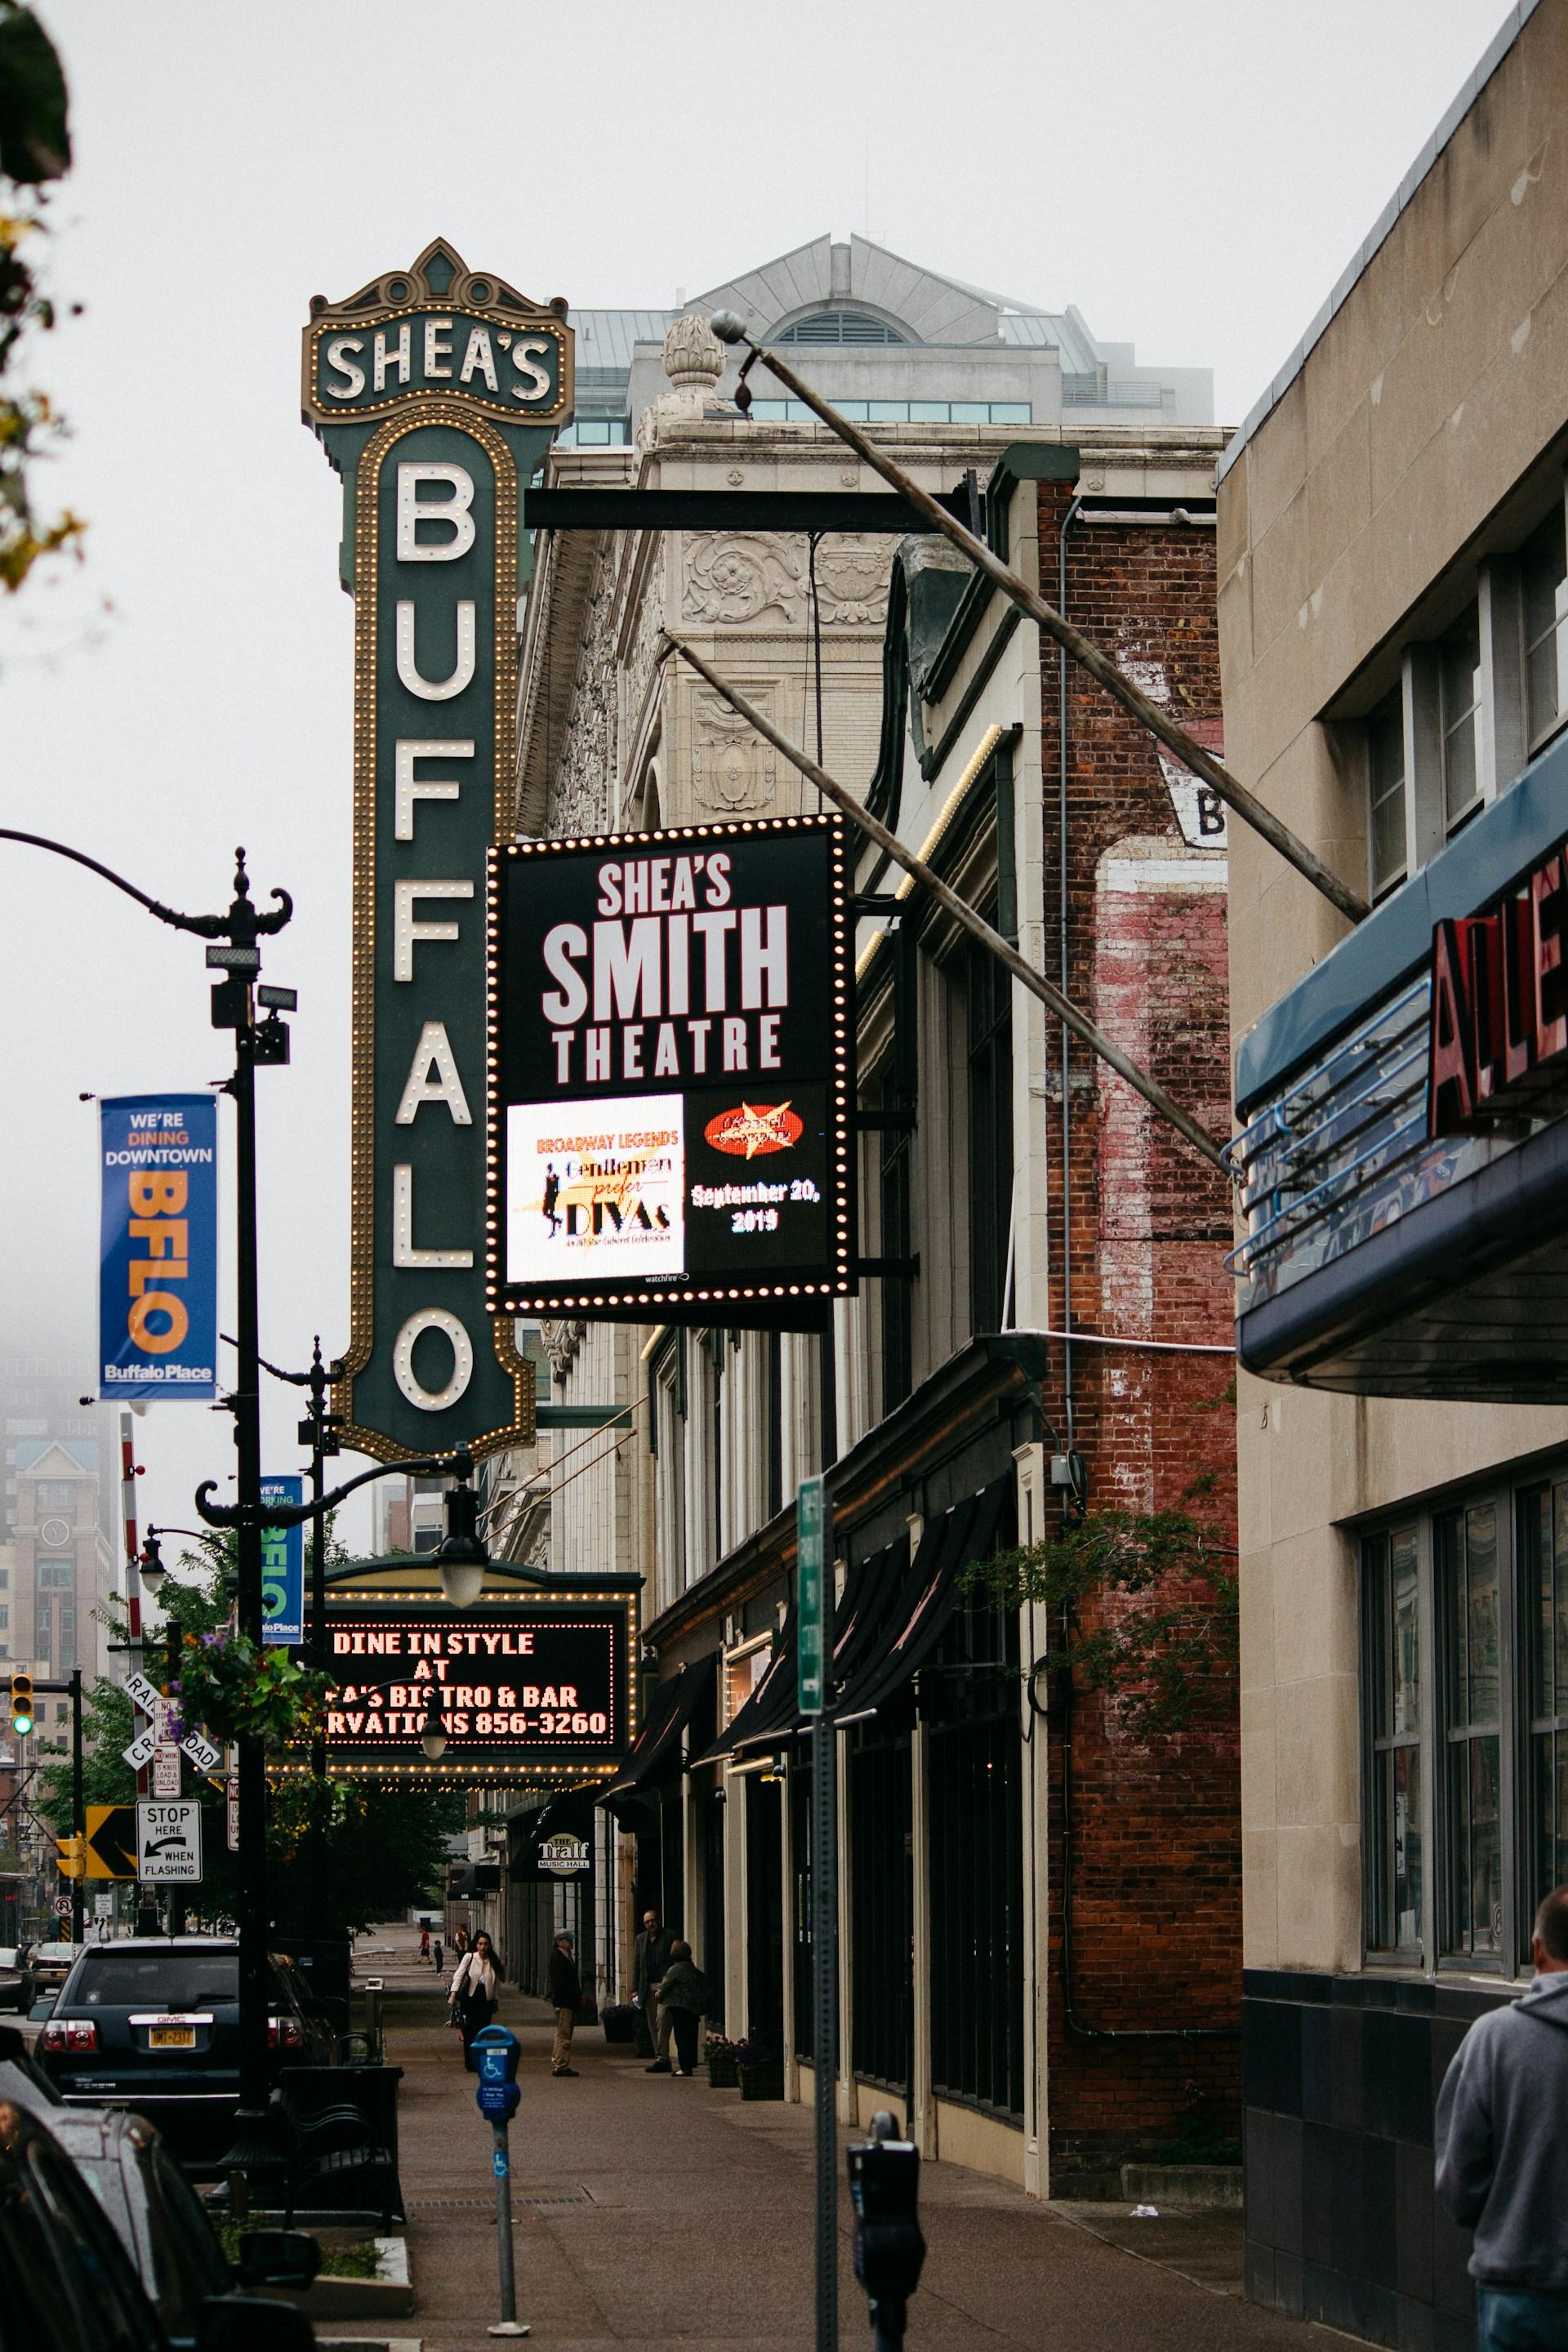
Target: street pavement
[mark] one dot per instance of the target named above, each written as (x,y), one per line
(655,2212)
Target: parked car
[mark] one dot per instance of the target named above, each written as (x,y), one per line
(153,2023)
(18,1988)
(157,2217)
(51,1964)
(21,2076)
(161,2224)
(68,2282)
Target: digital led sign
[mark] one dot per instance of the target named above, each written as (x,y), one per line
(541,1684)
(668,1063)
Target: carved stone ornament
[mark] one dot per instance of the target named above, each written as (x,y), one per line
(732,770)
(852,576)
(732,579)
(693,355)
(562,1342)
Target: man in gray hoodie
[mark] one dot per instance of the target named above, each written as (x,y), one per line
(1502,2151)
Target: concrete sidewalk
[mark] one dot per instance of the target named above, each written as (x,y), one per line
(655,2212)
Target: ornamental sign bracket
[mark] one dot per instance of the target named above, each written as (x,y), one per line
(435,391)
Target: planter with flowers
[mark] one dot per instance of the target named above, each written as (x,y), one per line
(759,2069)
(238,1689)
(619,2020)
(721,2072)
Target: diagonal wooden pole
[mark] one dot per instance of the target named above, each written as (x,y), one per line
(1092,1034)
(1077,646)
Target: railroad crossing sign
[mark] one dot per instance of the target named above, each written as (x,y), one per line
(112,1841)
(169,1841)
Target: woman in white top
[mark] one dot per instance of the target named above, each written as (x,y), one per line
(474,1991)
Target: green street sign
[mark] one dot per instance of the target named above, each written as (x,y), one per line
(436,391)
(813,1609)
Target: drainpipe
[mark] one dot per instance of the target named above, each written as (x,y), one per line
(1074,510)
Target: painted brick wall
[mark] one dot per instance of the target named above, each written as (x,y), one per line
(1155,1851)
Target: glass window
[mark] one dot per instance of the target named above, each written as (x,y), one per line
(929,411)
(1385,793)
(43,1629)
(1460,691)
(55,1494)
(1465,1550)
(57,1575)
(1546,608)
(1395,1854)
(889,412)
(1543,1606)
(971,412)
(1011,412)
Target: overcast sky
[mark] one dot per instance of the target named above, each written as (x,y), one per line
(1194,174)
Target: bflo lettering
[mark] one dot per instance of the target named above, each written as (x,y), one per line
(158,1319)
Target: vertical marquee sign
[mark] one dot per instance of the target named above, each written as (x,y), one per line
(436,390)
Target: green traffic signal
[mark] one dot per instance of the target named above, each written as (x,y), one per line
(21,1705)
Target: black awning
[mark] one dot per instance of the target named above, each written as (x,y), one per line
(571,1814)
(654,1756)
(914,1621)
(871,1596)
(770,1711)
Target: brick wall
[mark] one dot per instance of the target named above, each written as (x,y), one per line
(1155,1846)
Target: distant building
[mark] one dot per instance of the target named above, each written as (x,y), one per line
(890,343)
(63,1572)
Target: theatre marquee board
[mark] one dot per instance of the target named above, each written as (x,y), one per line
(535,1690)
(669,1042)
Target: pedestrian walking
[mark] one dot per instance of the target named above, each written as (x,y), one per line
(1502,2151)
(460,1942)
(685,1995)
(651,1957)
(424,1939)
(564,1988)
(474,1990)
(441,1957)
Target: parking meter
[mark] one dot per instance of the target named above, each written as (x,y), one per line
(496,2052)
(884,2182)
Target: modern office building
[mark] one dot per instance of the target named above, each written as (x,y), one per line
(1392,599)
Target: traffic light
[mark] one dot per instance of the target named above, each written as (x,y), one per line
(72,1860)
(21,1705)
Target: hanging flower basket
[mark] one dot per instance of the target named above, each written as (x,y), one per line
(240,1691)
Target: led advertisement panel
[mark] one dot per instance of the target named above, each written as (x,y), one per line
(669,1064)
(527,1688)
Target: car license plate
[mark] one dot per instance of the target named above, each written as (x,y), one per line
(171,2037)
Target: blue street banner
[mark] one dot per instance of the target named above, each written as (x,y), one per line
(282,1567)
(157,1284)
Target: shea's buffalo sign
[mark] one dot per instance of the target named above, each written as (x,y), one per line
(436,390)
(1498,1040)
(669,1058)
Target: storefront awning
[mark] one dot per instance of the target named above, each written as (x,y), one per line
(770,1712)
(569,1815)
(654,1754)
(915,1615)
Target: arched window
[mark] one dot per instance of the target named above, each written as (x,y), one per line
(839,324)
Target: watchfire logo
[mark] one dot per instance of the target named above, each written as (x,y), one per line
(753,1127)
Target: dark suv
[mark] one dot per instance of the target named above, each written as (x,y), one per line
(154,2024)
